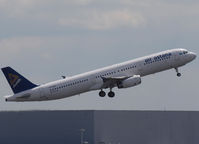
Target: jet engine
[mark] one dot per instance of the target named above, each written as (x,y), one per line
(130,82)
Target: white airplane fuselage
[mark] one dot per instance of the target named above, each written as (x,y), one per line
(117,75)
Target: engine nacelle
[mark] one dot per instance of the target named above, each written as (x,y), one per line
(130,82)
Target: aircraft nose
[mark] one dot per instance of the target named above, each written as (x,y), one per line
(193,55)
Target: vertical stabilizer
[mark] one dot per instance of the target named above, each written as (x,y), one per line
(17,82)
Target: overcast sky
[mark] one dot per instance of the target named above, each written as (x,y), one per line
(44,39)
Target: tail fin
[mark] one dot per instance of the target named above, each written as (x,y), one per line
(17,82)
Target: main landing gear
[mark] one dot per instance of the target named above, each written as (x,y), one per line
(102,93)
(111,94)
(178,74)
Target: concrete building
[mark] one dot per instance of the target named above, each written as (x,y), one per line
(100,127)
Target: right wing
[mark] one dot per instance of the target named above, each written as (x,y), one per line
(121,82)
(111,82)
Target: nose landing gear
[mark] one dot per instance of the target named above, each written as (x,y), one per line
(178,74)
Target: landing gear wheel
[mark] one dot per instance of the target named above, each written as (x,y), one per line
(111,94)
(179,74)
(102,93)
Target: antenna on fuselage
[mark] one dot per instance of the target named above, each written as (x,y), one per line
(63,77)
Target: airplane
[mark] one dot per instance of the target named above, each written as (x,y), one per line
(122,75)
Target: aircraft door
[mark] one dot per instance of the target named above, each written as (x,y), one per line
(140,68)
(176,60)
(93,80)
(44,93)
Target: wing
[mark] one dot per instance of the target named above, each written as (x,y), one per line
(111,82)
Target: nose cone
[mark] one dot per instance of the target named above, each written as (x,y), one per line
(193,55)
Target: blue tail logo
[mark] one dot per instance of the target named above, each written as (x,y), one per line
(17,82)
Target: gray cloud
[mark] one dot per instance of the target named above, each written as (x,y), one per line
(97,20)
(48,16)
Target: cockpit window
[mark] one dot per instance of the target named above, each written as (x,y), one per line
(185,52)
